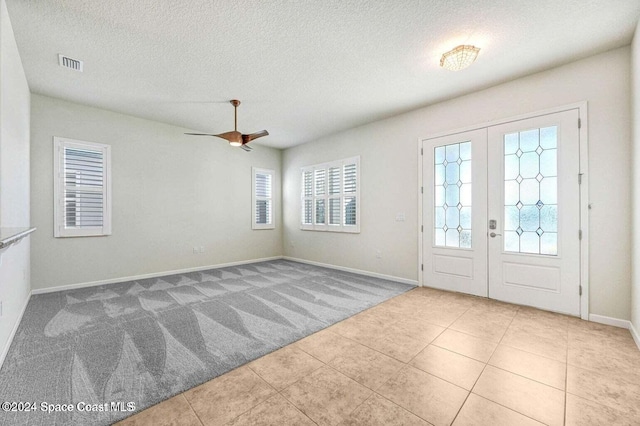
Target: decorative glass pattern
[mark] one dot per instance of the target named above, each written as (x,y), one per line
(531,191)
(452,195)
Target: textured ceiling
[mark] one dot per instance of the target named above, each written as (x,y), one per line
(302,69)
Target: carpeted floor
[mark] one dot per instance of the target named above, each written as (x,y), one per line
(144,341)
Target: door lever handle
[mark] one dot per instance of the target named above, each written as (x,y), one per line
(493,235)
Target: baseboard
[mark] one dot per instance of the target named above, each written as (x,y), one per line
(152,275)
(634,334)
(355,271)
(609,321)
(5,351)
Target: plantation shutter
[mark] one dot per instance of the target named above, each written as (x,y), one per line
(263,199)
(330,198)
(350,194)
(82,198)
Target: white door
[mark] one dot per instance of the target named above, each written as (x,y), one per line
(534,199)
(501,212)
(454,212)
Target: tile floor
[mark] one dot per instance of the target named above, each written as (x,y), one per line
(428,357)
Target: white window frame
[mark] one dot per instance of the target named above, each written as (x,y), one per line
(60,230)
(254,199)
(327,227)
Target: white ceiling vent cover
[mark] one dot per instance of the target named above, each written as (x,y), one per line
(67,62)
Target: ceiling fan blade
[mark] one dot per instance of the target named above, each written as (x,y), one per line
(228,135)
(252,136)
(200,134)
(246,148)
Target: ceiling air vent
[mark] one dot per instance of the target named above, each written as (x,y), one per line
(67,62)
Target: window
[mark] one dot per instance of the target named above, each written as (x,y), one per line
(262,199)
(331,196)
(82,185)
(531,191)
(452,195)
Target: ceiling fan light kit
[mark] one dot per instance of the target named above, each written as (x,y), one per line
(459,58)
(235,138)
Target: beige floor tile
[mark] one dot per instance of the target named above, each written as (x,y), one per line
(416,329)
(326,396)
(610,345)
(441,314)
(465,344)
(274,411)
(357,328)
(378,411)
(160,414)
(540,328)
(496,307)
(450,366)
(425,395)
(285,366)
(605,361)
(604,389)
(325,345)
(391,343)
(187,419)
(581,412)
(549,319)
(485,325)
(226,397)
(535,367)
(366,366)
(533,399)
(597,329)
(528,341)
(478,411)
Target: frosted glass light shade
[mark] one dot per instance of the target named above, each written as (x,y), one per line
(459,58)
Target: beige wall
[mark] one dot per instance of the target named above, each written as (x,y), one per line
(635,122)
(14,177)
(389,164)
(171,193)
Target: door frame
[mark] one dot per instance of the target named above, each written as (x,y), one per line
(583,136)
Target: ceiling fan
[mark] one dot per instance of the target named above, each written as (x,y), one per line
(236,138)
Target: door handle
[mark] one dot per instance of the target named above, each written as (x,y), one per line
(493,235)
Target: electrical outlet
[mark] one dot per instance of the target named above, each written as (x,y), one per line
(201,249)
(195,250)
(378,254)
(400,217)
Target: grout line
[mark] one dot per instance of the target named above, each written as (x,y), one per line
(484,368)
(508,408)
(192,409)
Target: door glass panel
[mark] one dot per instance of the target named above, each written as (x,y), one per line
(452,195)
(531,191)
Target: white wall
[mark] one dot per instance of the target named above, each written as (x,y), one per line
(389,164)
(14,177)
(171,193)
(635,122)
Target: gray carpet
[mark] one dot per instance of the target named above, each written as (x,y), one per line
(144,341)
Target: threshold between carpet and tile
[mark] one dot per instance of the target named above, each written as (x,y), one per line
(144,341)
(428,357)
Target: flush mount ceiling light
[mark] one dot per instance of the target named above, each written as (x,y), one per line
(459,58)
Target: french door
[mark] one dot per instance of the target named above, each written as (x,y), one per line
(501,212)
